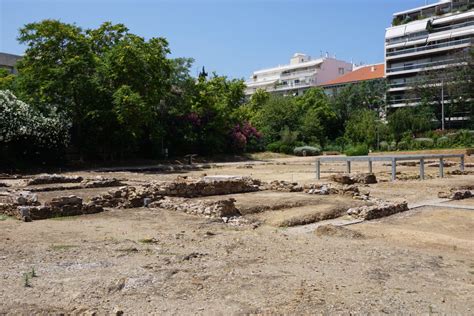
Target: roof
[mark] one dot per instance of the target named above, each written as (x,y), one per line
(364,73)
(288,67)
(422,7)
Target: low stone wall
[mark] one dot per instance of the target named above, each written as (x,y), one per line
(53,178)
(57,207)
(345,178)
(218,209)
(137,196)
(378,210)
(283,186)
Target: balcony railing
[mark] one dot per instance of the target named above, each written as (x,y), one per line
(422,65)
(295,73)
(403,101)
(429,47)
(452,27)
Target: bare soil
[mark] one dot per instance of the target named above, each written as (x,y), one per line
(155,261)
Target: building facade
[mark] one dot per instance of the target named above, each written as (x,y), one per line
(357,75)
(8,61)
(301,74)
(425,39)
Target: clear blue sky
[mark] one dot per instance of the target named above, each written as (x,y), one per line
(231,37)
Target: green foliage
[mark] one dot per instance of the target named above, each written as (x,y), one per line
(362,128)
(307,151)
(422,143)
(411,120)
(357,150)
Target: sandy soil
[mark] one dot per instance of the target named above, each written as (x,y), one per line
(153,261)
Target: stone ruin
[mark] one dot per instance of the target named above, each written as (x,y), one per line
(208,208)
(24,205)
(283,186)
(53,178)
(459,193)
(380,209)
(345,178)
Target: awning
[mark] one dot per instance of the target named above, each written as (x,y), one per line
(436,37)
(417,26)
(395,31)
(453,18)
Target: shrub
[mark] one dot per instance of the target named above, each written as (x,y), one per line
(403,145)
(274,147)
(384,146)
(307,151)
(357,150)
(443,142)
(286,149)
(423,143)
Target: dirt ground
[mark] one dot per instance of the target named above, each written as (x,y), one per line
(156,261)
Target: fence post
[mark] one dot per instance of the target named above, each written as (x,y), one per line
(370,166)
(422,169)
(462,163)
(348,164)
(318,169)
(441,167)
(394,169)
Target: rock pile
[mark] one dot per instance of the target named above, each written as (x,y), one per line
(329,188)
(283,186)
(53,178)
(25,206)
(137,196)
(378,210)
(344,178)
(456,194)
(100,182)
(224,208)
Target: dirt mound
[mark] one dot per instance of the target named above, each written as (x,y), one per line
(337,231)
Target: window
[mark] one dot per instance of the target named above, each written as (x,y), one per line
(341,71)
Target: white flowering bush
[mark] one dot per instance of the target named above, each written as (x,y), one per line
(20,122)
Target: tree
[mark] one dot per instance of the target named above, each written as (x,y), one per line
(362,128)
(410,120)
(454,84)
(358,96)
(318,120)
(277,113)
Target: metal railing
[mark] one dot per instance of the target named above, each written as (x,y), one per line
(429,47)
(422,65)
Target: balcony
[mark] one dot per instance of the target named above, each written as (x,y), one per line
(452,27)
(422,65)
(429,47)
(305,73)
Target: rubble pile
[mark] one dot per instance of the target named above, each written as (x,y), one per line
(330,188)
(345,178)
(224,208)
(101,182)
(137,196)
(456,194)
(283,186)
(208,185)
(25,206)
(53,178)
(380,209)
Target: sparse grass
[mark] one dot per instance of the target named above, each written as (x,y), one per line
(4,217)
(26,280)
(267,155)
(148,241)
(64,218)
(62,247)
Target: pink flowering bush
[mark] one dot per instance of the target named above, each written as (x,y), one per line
(246,138)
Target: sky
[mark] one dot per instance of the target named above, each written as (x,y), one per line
(231,37)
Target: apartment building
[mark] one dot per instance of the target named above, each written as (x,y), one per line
(302,73)
(8,61)
(375,72)
(427,38)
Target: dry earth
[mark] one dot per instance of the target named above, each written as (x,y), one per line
(155,261)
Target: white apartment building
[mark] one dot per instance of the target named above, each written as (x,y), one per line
(301,74)
(426,38)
